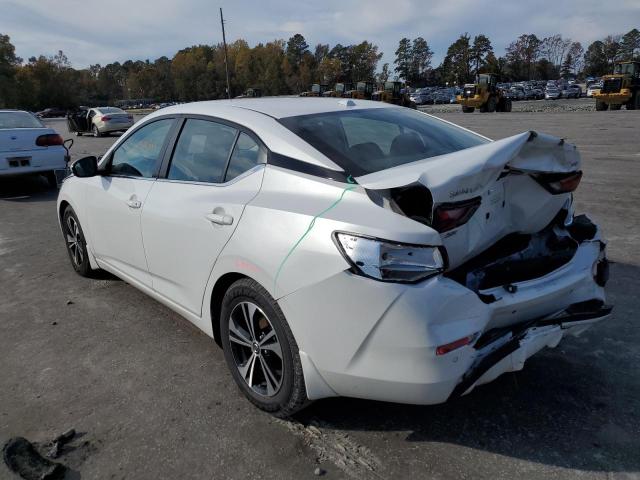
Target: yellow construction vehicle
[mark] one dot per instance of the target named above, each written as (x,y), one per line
(484,95)
(621,88)
(363,91)
(393,93)
(251,93)
(317,90)
(339,90)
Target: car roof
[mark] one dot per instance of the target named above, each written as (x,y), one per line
(279,107)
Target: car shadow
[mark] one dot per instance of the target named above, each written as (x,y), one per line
(576,406)
(26,188)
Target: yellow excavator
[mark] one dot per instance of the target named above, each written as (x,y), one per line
(339,90)
(484,95)
(392,93)
(317,90)
(620,88)
(363,91)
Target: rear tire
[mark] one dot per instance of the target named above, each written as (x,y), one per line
(95,131)
(51,179)
(616,106)
(260,350)
(75,242)
(634,103)
(491,104)
(467,109)
(508,105)
(601,106)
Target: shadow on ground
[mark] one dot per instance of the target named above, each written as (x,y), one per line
(576,406)
(26,188)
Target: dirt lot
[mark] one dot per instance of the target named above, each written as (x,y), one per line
(152,399)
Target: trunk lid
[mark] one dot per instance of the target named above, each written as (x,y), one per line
(499,175)
(21,139)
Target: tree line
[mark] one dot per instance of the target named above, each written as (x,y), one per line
(288,67)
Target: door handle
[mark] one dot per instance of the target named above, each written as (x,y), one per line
(219,219)
(134,203)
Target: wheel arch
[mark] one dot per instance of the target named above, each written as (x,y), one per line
(215,302)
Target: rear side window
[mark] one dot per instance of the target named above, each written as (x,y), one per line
(19,120)
(202,152)
(139,154)
(246,154)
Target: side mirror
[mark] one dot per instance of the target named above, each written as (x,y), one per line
(85,167)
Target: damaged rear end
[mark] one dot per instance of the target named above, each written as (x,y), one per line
(504,212)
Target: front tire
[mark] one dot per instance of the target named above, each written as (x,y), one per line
(634,103)
(76,243)
(260,350)
(616,106)
(467,109)
(601,106)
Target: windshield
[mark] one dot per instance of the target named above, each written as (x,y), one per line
(367,141)
(19,120)
(624,69)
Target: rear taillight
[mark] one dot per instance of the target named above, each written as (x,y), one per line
(105,118)
(49,140)
(557,183)
(461,342)
(448,216)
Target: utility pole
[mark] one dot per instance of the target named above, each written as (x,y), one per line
(226,59)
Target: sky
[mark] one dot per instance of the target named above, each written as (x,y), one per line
(90,31)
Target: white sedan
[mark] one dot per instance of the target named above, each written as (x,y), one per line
(28,147)
(344,247)
(99,121)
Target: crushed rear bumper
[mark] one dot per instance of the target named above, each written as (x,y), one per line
(507,349)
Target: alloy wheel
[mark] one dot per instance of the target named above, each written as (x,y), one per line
(256,349)
(74,241)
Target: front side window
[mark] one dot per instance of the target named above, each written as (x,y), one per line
(246,154)
(369,140)
(139,154)
(202,152)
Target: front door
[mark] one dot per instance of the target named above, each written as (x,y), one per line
(116,200)
(190,215)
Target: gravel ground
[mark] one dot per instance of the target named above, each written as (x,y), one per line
(562,105)
(151,396)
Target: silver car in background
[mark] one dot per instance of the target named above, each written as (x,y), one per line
(99,121)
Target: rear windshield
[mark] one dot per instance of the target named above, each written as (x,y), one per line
(19,120)
(367,141)
(111,110)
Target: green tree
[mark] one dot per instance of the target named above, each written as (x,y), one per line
(630,45)
(403,59)
(595,60)
(421,56)
(8,68)
(522,56)
(457,63)
(479,51)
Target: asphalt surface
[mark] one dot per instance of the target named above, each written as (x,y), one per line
(151,397)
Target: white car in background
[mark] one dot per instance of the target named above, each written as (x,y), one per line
(27,146)
(344,247)
(99,121)
(594,88)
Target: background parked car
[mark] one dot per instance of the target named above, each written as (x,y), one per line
(28,147)
(51,113)
(99,121)
(422,96)
(572,91)
(593,88)
(552,93)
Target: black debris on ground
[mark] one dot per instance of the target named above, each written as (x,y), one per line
(21,457)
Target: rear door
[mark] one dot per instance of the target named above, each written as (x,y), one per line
(116,199)
(190,214)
